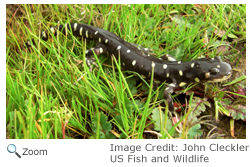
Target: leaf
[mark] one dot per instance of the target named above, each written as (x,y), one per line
(220,33)
(131,81)
(218,43)
(144,88)
(227,101)
(104,126)
(222,49)
(230,35)
(119,120)
(237,112)
(139,103)
(178,53)
(199,104)
(134,90)
(132,85)
(130,107)
(195,132)
(181,21)
(159,120)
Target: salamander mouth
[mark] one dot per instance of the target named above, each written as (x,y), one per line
(225,77)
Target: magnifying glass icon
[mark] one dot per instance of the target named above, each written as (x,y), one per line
(12,149)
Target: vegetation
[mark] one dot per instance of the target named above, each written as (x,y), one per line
(51,93)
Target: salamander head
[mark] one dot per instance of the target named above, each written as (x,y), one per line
(210,70)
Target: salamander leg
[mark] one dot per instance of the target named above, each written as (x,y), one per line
(99,49)
(167,95)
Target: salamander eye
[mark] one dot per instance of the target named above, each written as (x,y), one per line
(214,71)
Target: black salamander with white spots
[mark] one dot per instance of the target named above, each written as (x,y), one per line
(133,58)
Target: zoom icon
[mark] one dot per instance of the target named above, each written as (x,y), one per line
(12,149)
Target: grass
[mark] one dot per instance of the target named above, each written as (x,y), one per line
(51,95)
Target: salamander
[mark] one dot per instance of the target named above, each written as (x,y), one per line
(133,58)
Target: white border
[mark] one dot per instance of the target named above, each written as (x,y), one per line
(97,152)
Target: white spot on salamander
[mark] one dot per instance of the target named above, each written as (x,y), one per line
(167,75)
(180,72)
(44,34)
(101,50)
(197,79)
(182,84)
(75,26)
(106,41)
(128,51)
(218,66)
(170,58)
(207,75)
(179,62)
(81,31)
(119,47)
(96,33)
(99,39)
(86,33)
(52,30)
(192,65)
(133,62)
(172,85)
(164,66)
